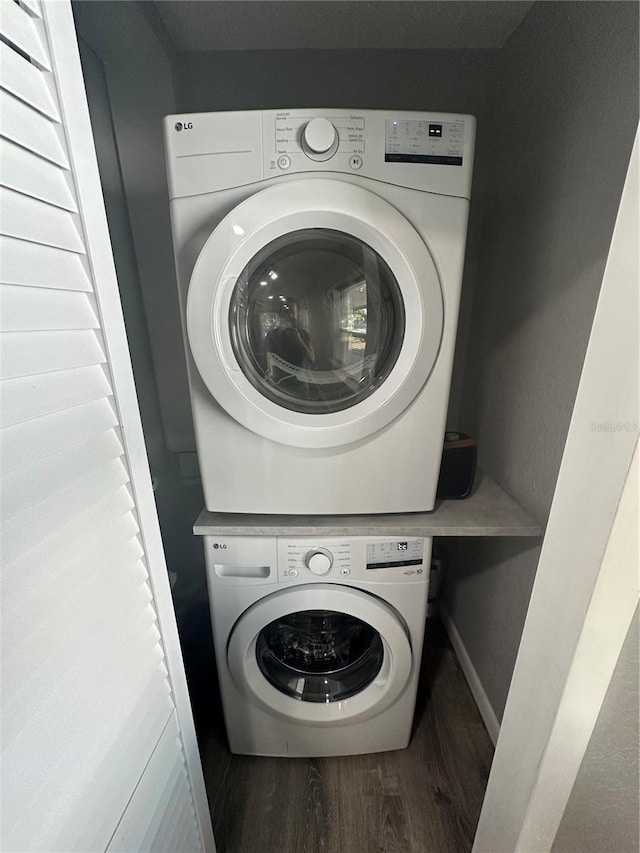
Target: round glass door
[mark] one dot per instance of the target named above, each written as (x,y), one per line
(316,320)
(320,652)
(315,313)
(319,655)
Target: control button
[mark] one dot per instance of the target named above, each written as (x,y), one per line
(293,573)
(319,135)
(345,572)
(355,161)
(319,561)
(320,139)
(283,161)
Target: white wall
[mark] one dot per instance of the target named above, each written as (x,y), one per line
(566,112)
(602,812)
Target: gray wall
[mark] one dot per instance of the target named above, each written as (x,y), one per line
(123,250)
(566,113)
(139,75)
(602,812)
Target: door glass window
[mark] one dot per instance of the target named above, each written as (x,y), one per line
(316,320)
(319,655)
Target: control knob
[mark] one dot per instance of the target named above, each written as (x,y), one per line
(319,561)
(320,139)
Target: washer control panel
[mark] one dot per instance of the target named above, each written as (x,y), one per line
(376,559)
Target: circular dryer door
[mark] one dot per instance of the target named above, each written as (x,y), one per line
(321,653)
(315,313)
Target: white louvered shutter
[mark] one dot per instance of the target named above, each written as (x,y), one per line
(97,740)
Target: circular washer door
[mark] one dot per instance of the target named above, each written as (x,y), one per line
(321,653)
(315,313)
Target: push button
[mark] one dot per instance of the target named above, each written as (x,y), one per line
(355,161)
(345,572)
(284,162)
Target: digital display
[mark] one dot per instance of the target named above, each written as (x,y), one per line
(417,141)
(395,555)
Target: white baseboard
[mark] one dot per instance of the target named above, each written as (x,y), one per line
(482,700)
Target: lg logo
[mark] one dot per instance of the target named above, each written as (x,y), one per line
(187,125)
(218,545)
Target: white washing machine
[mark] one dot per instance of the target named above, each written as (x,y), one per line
(318,641)
(319,256)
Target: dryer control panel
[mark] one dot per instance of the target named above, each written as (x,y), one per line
(432,152)
(426,151)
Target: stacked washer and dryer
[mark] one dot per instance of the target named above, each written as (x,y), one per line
(319,258)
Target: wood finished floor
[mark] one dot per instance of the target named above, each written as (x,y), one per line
(424,799)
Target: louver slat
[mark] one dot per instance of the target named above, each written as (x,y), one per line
(34,309)
(36,671)
(191,840)
(27,442)
(170,818)
(26,82)
(33,6)
(34,483)
(18,27)
(30,129)
(24,309)
(33,397)
(44,565)
(36,221)
(41,266)
(29,608)
(43,520)
(24,654)
(150,839)
(176,839)
(102,803)
(78,753)
(152,797)
(27,353)
(30,175)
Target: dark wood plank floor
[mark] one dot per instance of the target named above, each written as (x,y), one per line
(425,799)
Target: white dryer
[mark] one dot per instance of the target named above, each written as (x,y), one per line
(319,257)
(318,641)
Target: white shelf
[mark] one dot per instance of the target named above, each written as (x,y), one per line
(489,511)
